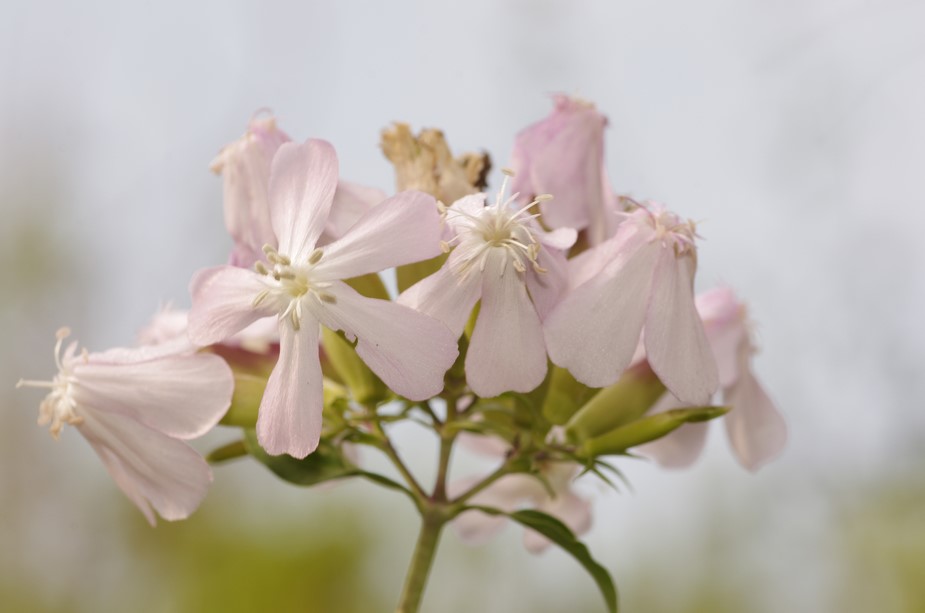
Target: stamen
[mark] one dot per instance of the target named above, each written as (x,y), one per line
(315,257)
(261,268)
(260,298)
(326,297)
(296,323)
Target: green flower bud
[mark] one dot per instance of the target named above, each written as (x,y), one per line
(624,401)
(645,430)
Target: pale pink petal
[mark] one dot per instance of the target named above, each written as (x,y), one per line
(595,329)
(609,254)
(572,510)
(245,169)
(563,155)
(507,494)
(408,350)
(547,288)
(351,202)
(676,346)
(445,296)
(464,209)
(756,429)
(723,319)
(289,419)
(223,303)
(302,183)
(680,448)
(485,445)
(151,468)
(561,238)
(403,229)
(183,396)
(507,351)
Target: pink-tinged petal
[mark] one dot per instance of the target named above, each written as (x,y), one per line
(723,319)
(485,445)
(303,179)
(572,510)
(351,202)
(507,351)
(676,346)
(609,254)
(548,288)
(680,448)
(594,331)
(408,350)
(223,303)
(245,169)
(563,155)
(151,468)
(444,296)
(561,238)
(183,396)
(506,494)
(403,229)
(756,429)
(289,419)
(461,211)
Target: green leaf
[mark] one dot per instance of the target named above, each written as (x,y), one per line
(559,533)
(326,463)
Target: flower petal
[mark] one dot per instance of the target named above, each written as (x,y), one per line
(408,350)
(547,288)
(676,345)
(289,419)
(680,448)
(351,202)
(223,303)
(151,468)
(445,297)
(183,396)
(595,329)
(403,229)
(303,179)
(756,429)
(507,351)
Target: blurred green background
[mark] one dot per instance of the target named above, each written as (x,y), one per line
(793,130)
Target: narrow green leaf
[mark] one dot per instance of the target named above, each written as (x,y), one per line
(559,533)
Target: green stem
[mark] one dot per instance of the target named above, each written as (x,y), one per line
(421,563)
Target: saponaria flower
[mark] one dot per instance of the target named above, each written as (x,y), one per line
(302,285)
(136,407)
(563,155)
(638,282)
(244,165)
(501,256)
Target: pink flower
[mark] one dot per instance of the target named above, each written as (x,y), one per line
(756,429)
(245,168)
(640,281)
(499,253)
(563,155)
(513,492)
(302,285)
(135,407)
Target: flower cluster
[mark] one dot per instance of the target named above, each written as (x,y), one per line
(554,322)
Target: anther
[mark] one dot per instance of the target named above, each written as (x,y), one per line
(507,171)
(315,256)
(261,297)
(326,297)
(261,268)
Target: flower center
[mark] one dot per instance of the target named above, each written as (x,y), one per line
(497,226)
(670,229)
(59,407)
(289,284)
